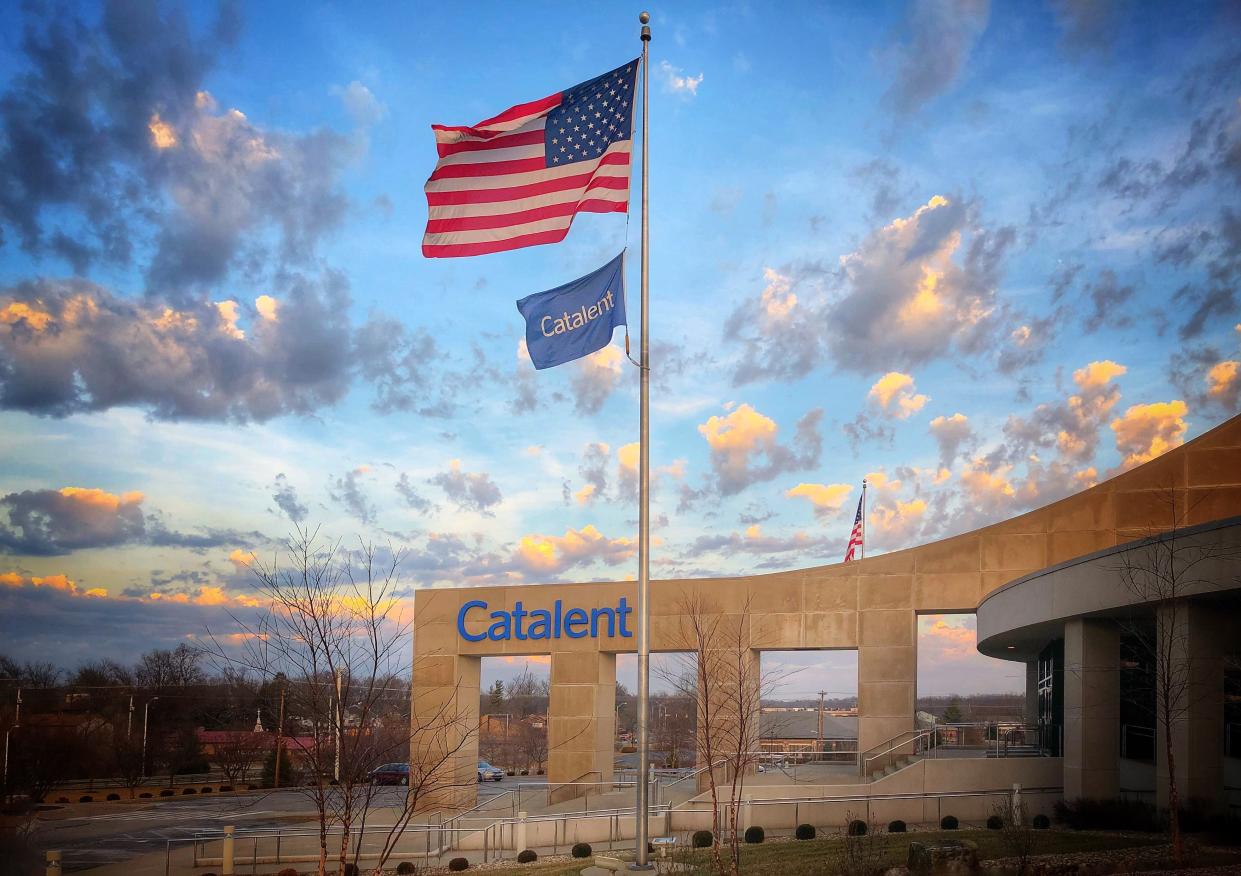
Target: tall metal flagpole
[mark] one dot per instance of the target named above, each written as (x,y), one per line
(644,489)
(863,518)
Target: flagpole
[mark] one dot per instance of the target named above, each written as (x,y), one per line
(863,518)
(644,490)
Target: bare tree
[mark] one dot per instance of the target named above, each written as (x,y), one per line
(333,627)
(239,752)
(531,744)
(1162,571)
(1017,834)
(727,687)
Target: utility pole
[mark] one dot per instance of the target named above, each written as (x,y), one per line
(17,720)
(129,727)
(339,715)
(822,694)
(146,712)
(279,736)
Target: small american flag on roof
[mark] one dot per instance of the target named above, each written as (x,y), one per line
(519,178)
(855,537)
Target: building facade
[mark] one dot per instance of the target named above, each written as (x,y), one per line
(1004,572)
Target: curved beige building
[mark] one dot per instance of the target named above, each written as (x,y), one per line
(869,605)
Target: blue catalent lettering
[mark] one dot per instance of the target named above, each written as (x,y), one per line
(541,623)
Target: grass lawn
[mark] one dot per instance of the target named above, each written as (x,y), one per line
(802,858)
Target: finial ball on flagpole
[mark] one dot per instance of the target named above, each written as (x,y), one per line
(644,17)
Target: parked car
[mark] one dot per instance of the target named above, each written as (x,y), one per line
(390,774)
(487,771)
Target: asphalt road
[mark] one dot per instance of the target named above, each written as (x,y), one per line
(116,832)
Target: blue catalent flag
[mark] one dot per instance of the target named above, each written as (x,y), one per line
(576,319)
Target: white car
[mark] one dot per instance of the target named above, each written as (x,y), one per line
(487,771)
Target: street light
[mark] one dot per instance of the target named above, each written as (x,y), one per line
(17,718)
(146,714)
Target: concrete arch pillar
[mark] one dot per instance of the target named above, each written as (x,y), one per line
(581,721)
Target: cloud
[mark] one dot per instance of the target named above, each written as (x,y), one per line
(1110,303)
(52,522)
(412,497)
(754,541)
(779,331)
(1146,431)
(285,497)
(895,395)
(944,640)
(907,300)
(596,378)
(941,35)
(627,461)
(593,468)
(470,491)
(1224,383)
(363,107)
(1086,25)
(686,86)
(553,554)
(950,434)
(51,582)
(825,498)
(348,492)
(744,449)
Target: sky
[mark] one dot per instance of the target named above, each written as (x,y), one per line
(983,255)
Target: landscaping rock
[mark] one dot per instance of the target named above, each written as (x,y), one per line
(944,858)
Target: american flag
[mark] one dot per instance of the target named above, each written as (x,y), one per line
(519,178)
(855,537)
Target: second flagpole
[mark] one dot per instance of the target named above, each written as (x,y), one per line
(644,491)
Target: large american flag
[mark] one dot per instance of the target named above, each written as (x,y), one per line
(519,178)
(855,537)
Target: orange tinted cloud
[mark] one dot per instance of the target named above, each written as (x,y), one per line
(824,497)
(50,582)
(896,395)
(1146,431)
(99,498)
(549,554)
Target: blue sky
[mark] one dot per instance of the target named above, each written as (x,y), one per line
(983,253)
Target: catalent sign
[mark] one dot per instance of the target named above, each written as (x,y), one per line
(541,623)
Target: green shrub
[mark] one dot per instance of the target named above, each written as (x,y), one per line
(405,868)
(804,832)
(1040,822)
(994,822)
(114,796)
(224,789)
(145,795)
(188,791)
(456,865)
(897,826)
(857,827)
(581,850)
(949,822)
(754,835)
(702,839)
(527,856)
(287,871)
(86,798)
(206,789)
(167,792)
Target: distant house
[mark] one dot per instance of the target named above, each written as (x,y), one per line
(793,732)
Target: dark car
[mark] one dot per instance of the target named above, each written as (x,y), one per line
(391,774)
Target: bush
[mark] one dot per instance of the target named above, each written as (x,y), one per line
(287,871)
(804,832)
(857,827)
(206,789)
(702,839)
(86,798)
(145,795)
(167,792)
(188,791)
(456,865)
(224,789)
(1085,813)
(949,822)
(897,826)
(114,796)
(66,799)
(1041,822)
(252,787)
(351,870)
(754,835)
(405,868)
(527,856)
(994,822)
(581,850)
